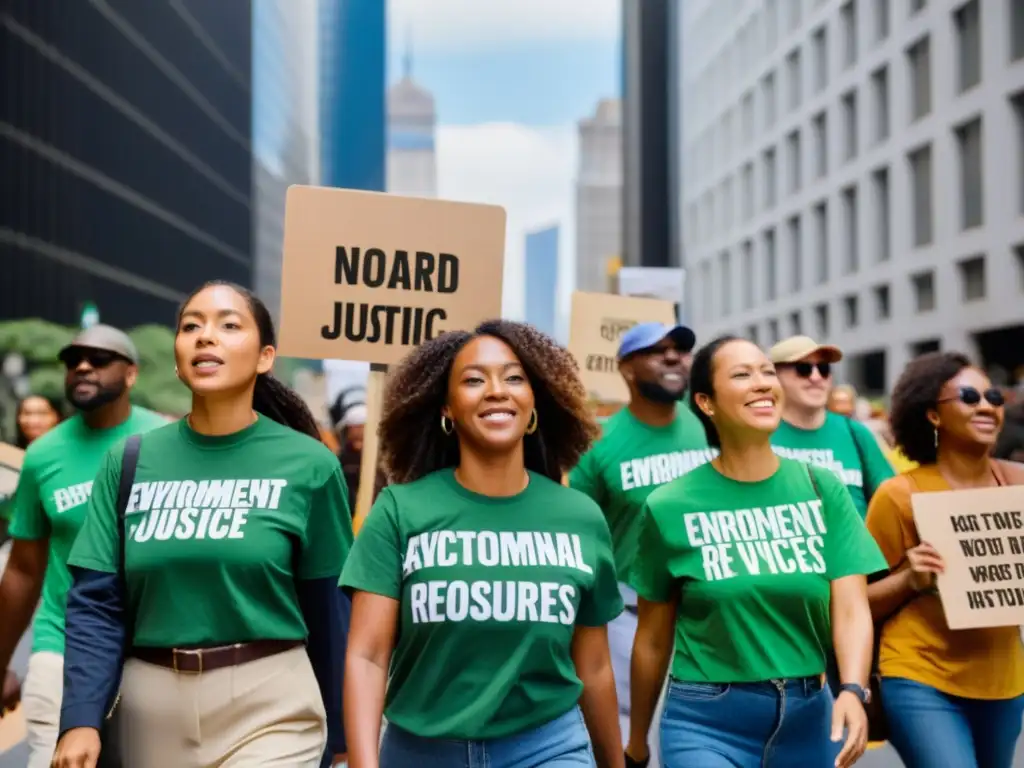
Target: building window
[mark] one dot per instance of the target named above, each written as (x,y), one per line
(883,216)
(707,293)
(771,27)
(796,269)
(921,191)
(1016,29)
(796,325)
(851,310)
(793,74)
(972,278)
(850,125)
(923,284)
(883,307)
(773,332)
(848,23)
(1018,253)
(747,277)
(820,129)
(821,246)
(748,191)
(917,5)
(747,116)
(967,20)
(793,16)
(919,58)
(821,321)
(972,202)
(795,161)
(752,334)
(727,203)
(770,179)
(850,217)
(725,268)
(819,46)
(1017,103)
(771,267)
(768,93)
(880,92)
(882,23)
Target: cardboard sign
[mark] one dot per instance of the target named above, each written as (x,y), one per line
(980,535)
(653,282)
(598,322)
(368,276)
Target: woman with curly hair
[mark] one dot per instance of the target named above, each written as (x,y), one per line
(482,587)
(950,698)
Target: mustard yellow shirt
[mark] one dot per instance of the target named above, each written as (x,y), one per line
(916,644)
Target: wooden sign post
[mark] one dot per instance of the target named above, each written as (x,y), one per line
(597,324)
(369,276)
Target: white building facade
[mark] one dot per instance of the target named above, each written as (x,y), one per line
(412,124)
(854,170)
(599,196)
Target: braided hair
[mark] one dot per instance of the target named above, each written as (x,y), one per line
(412,443)
(271,397)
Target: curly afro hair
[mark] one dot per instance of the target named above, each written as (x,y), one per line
(412,443)
(914,395)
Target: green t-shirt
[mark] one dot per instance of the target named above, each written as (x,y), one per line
(490,591)
(219,528)
(51,502)
(846,447)
(629,461)
(752,565)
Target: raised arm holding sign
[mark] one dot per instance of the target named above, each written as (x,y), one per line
(369,276)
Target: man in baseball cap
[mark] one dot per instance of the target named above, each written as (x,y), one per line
(48,509)
(650,442)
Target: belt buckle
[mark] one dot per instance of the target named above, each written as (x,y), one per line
(186,652)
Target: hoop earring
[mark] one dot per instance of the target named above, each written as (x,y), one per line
(447,425)
(532,426)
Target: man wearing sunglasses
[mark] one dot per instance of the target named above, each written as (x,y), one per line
(49,507)
(812,434)
(650,442)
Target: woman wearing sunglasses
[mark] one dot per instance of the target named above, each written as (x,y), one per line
(951,698)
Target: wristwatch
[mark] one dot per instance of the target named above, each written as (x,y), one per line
(861,693)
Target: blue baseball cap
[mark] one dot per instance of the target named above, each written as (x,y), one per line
(646,335)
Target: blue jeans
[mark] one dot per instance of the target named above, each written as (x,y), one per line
(931,729)
(748,725)
(560,743)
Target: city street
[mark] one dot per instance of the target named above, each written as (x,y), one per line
(17,757)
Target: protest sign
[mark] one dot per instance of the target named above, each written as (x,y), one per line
(598,322)
(368,276)
(980,536)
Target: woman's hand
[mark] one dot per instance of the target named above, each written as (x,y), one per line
(848,713)
(637,756)
(77,748)
(925,564)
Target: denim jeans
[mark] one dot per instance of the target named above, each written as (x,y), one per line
(931,729)
(773,724)
(560,743)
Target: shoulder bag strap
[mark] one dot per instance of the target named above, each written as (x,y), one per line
(129,462)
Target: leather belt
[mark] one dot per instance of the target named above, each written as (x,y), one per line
(195,661)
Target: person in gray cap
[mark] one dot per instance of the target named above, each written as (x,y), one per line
(49,507)
(646,444)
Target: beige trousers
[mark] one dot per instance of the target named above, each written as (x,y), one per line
(264,714)
(40,701)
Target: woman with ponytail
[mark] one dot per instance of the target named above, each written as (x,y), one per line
(224,626)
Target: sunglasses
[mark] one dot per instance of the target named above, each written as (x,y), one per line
(96,358)
(971,396)
(804,370)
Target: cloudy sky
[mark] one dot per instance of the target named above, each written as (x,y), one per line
(511,78)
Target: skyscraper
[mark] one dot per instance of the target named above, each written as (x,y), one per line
(856,171)
(284,126)
(542,278)
(411,159)
(125,148)
(599,196)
